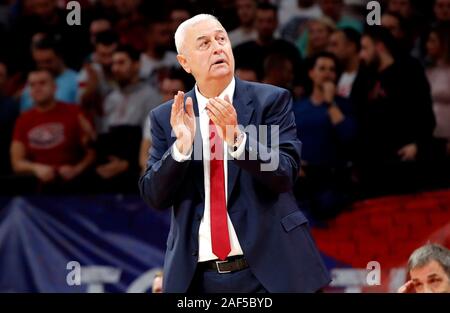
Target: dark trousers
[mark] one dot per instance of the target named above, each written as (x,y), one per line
(242,281)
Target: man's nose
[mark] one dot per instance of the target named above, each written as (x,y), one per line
(217,48)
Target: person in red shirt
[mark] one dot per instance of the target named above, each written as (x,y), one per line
(52,140)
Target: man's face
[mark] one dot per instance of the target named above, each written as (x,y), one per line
(169,88)
(206,51)
(323,71)
(430,278)
(338,45)
(104,55)
(393,25)
(442,10)
(368,52)
(246,10)
(266,23)
(47,59)
(318,35)
(123,68)
(42,87)
(331,8)
(402,7)
(97,27)
(434,50)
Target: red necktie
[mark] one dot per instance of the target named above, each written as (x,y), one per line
(220,238)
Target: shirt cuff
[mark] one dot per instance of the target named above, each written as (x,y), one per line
(178,156)
(238,152)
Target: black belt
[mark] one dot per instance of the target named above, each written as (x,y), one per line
(231,264)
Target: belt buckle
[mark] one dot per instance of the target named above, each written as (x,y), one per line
(218,268)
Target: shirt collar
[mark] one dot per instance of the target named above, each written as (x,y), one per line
(202,100)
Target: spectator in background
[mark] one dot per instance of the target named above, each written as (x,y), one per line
(131,25)
(177,15)
(47,55)
(345,45)
(278,71)
(319,32)
(120,129)
(246,10)
(396,24)
(290,9)
(97,26)
(52,140)
(157,57)
(176,80)
(402,7)
(333,17)
(395,116)
(428,270)
(253,53)
(326,128)
(293,17)
(412,19)
(102,9)
(334,9)
(9,111)
(438,73)
(407,48)
(246,72)
(46,17)
(95,80)
(441,10)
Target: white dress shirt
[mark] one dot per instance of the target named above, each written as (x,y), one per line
(204,235)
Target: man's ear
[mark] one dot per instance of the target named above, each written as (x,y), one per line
(183,62)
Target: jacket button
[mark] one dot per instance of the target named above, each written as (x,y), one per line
(194,253)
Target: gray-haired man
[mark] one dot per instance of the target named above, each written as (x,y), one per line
(429,270)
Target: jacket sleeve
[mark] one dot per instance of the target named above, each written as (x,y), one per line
(163,177)
(274,158)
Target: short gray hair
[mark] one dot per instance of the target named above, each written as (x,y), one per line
(428,253)
(180,33)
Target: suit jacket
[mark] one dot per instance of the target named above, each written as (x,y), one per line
(272,231)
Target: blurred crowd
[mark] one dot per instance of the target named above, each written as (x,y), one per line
(372,103)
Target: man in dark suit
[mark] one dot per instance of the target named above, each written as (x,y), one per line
(235,223)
